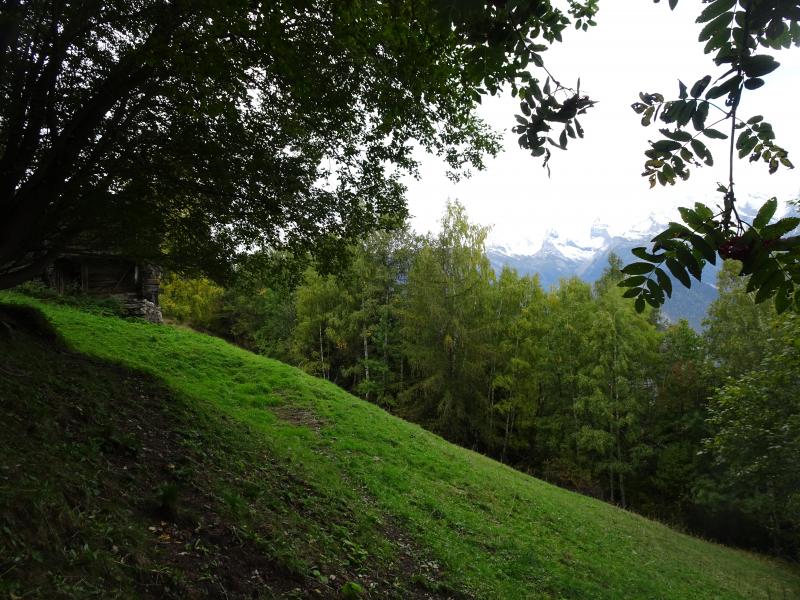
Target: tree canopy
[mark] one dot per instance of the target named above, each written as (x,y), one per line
(192,131)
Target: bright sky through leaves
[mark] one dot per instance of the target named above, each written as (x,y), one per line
(637,46)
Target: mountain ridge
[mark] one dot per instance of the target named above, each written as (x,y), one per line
(561,257)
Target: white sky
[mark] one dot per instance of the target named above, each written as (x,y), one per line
(636,46)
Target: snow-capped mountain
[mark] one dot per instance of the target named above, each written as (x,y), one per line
(561,257)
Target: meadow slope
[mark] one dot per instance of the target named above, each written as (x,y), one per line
(324,484)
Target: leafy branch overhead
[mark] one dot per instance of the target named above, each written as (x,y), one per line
(497,34)
(737,33)
(186,132)
(541,109)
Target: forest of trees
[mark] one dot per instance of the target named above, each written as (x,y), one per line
(700,430)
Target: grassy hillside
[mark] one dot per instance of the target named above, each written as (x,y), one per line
(160,461)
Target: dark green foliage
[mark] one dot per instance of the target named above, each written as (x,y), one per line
(752,441)
(755,446)
(684,249)
(733,32)
(189,131)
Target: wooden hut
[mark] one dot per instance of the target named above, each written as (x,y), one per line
(135,283)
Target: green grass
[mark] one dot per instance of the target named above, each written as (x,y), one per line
(480,528)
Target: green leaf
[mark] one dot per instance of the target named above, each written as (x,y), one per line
(656,291)
(754,260)
(718,24)
(678,229)
(639,304)
(682,90)
(669,173)
(715,9)
(756,66)
(714,134)
(700,85)
(715,238)
(748,145)
(688,260)
(632,281)
(679,272)
(642,253)
(704,248)
(779,228)
(631,293)
(686,113)
(703,211)
(769,286)
(762,274)
(664,281)
(699,116)
(765,213)
(667,243)
(651,299)
(666,145)
(671,110)
(720,40)
(753,83)
(694,220)
(648,115)
(744,136)
(724,88)
(678,136)
(639,268)
(702,152)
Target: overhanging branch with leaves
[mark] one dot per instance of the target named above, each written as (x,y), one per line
(734,32)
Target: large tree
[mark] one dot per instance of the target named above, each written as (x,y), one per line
(193,130)
(445,327)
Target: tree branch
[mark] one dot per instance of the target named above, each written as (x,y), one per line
(36,266)
(46,183)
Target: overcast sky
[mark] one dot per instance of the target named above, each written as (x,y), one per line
(636,46)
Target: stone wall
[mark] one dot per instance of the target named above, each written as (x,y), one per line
(143,309)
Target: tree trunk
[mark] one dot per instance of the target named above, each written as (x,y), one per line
(386,346)
(366,364)
(490,398)
(611,482)
(505,437)
(321,354)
